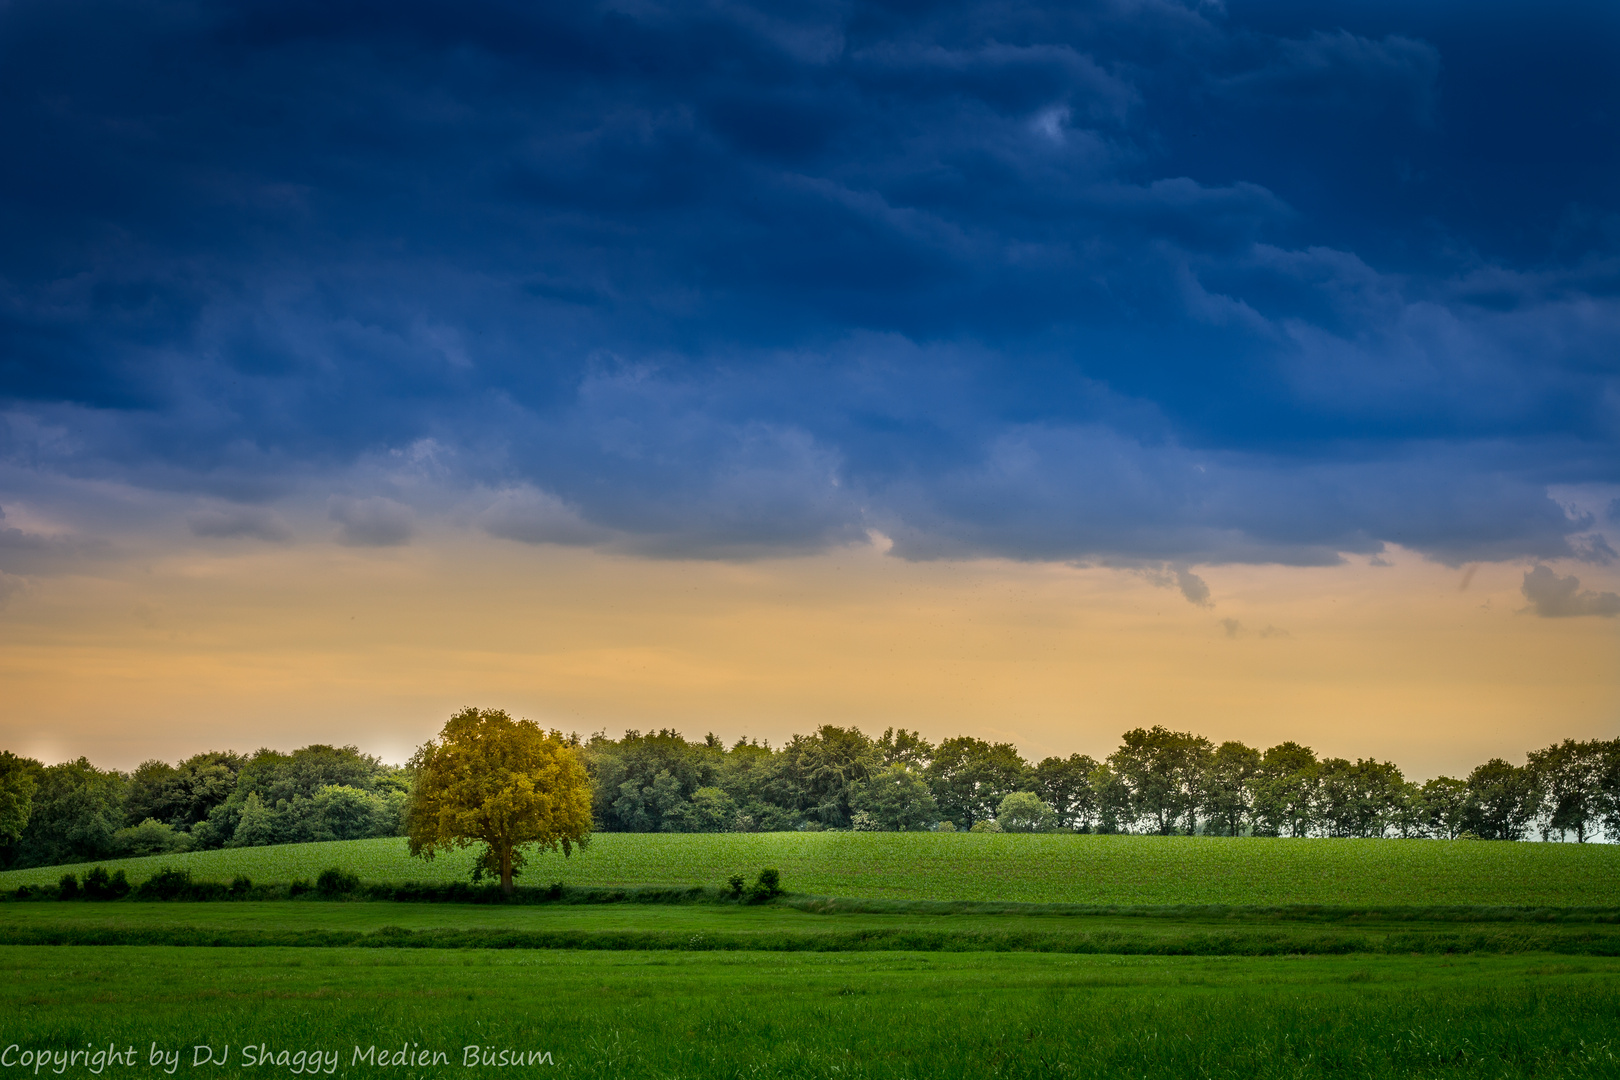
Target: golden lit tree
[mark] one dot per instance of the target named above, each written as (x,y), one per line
(500,782)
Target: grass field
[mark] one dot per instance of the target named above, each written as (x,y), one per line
(969,956)
(781,928)
(638,1014)
(966,866)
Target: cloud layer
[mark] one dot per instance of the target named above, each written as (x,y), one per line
(1151,284)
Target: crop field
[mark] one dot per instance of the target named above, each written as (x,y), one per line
(974,866)
(900,1015)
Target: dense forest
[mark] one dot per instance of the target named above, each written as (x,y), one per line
(1158,781)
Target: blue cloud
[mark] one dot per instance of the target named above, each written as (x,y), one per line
(1152,284)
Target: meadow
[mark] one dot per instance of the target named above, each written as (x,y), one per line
(900,1015)
(1040,868)
(949,956)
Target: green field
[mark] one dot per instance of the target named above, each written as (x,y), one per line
(978,866)
(785,927)
(956,956)
(639,1014)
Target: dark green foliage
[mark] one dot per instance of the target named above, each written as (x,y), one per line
(1067,786)
(317,793)
(768,886)
(76,810)
(18,778)
(67,888)
(334,881)
(172,884)
(241,887)
(970,777)
(1502,800)
(896,798)
(734,884)
(99,885)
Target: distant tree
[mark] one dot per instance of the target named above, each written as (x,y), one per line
(1362,799)
(1228,795)
(1502,801)
(1285,791)
(150,837)
(76,810)
(645,783)
(1443,804)
(969,778)
(819,774)
(708,810)
(18,779)
(1114,813)
(1024,811)
(503,783)
(1569,778)
(904,747)
(1165,771)
(1065,785)
(896,799)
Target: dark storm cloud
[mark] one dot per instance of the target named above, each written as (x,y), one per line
(1147,283)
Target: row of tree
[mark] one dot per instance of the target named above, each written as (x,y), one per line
(1157,781)
(76,812)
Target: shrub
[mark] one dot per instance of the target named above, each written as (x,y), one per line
(945,826)
(241,885)
(67,888)
(167,884)
(766,886)
(300,887)
(334,881)
(985,825)
(98,885)
(735,884)
(863,821)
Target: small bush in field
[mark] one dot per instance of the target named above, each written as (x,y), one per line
(241,885)
(67,888)
(767,885)
(734,883)
(334,881)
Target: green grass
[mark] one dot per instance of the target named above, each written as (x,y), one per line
(783,928)
(986,867)
(871,1016)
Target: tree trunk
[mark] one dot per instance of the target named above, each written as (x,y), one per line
(506,869)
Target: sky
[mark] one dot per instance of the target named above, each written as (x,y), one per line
(1031,371)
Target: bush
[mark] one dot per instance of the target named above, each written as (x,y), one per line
(98,885)
(334,881)
(67,888)
(300,887)
(241,885)
(945,826)
(766,886)
(735,884)
(985,826)
(167,884)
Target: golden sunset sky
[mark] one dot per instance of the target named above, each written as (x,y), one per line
(170,651)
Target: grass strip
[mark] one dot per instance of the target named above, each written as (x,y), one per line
(1193,943)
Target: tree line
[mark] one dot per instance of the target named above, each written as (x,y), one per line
(1158,781)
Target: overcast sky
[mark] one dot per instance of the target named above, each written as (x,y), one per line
(1160,294)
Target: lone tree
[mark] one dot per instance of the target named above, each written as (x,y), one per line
(501,782)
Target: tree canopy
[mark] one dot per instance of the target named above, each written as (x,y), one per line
(504,783)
